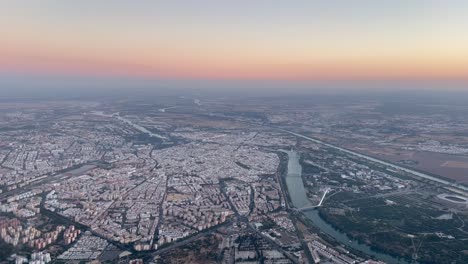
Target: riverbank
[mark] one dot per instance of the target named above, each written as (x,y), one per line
(298,198)
(446,182)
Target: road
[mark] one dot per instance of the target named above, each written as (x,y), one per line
(201,234)
(188,240)
(416,173)
(275,245)
(46,178)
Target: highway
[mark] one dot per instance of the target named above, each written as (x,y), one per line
(199,235)
(188,240)
(416,173)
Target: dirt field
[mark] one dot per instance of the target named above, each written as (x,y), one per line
(453,167)
(455,164)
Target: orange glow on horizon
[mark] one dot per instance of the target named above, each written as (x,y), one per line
(22,62)
(218,40)
(231,61)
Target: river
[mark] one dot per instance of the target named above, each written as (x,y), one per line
(299,199)
(391,165)
(137,127)
(140,128)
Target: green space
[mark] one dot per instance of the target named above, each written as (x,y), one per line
(400,225)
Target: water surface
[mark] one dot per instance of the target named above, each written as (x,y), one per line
(299,199)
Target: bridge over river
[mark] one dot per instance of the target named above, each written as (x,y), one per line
(301,203)
(312,207)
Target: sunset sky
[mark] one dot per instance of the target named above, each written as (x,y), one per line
(240,40)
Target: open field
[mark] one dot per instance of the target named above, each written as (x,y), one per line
(449,166)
